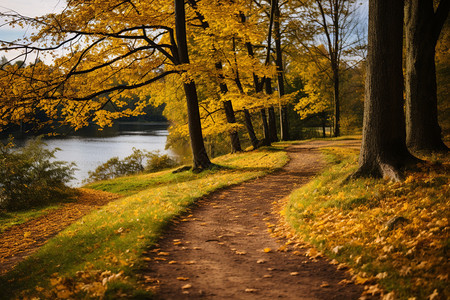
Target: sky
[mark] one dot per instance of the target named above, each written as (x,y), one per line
(29,8)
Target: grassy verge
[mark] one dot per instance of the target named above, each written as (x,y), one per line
(100,255)
(393,236)
(8,219)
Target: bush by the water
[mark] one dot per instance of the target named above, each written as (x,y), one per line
(29,176)
(140,161)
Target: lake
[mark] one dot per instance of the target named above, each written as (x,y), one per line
(91,149)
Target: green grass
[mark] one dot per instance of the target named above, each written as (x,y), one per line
(347,220)
(113,238)
(8,219)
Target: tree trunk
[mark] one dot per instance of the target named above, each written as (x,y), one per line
(234,136)
(229,113)
(383,149)
(337,110)
(200,157)
(250,130)
(272,118)
(284,126)
(422,31)
(272,124)
(266,140)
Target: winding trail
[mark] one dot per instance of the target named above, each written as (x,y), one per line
(217,252)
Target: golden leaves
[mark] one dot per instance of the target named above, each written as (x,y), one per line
(386,232)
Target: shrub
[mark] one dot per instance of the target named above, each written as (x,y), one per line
(29,176)
(139,161)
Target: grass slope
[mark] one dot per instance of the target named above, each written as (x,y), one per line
(394,236)
(100,255)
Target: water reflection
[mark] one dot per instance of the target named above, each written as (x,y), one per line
(90,149)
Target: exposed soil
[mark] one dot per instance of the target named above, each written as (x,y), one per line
(217,252)
(18,242)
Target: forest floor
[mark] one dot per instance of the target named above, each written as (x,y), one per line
(229,246)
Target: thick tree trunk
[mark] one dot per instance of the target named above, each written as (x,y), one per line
(422,32)
(200,157)
(383,149)
(250,130)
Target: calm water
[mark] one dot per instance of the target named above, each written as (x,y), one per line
(88,152)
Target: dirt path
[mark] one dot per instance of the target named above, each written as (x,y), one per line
(17,242)
(217,252)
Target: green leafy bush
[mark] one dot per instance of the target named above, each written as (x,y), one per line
(138,162)
(29,176)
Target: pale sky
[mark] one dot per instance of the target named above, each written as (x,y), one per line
(29,8)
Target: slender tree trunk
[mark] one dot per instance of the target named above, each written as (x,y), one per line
(229,113)
(200,157)
(250,130)
(383,149)
(266,140)
(247,117)
(422,32)
(284,126)
(272,118)
(337,104)
(273,124)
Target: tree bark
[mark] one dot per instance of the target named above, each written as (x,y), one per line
(383,150)
(272,124)
(266,140)
(247,117)
(423,27)
(272,118)
(250,130)
(284,126)
(337,102)
(229,113)
(200,157)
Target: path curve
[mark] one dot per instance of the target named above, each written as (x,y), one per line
(217,252)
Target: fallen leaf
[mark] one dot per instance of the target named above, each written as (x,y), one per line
(267,276)
(147,259)
(182,278)
(172,262)
(293,273)
(434,295)
(250,290)
(324,284)
(260,261)
(345,282)
(164,253)
(241,252)
(267,250)
(186,286)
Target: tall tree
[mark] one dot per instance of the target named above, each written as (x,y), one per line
(383,150)
(423,25)
(199,154)
(284,125)
(331,30)
(111,50)
(227,104)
